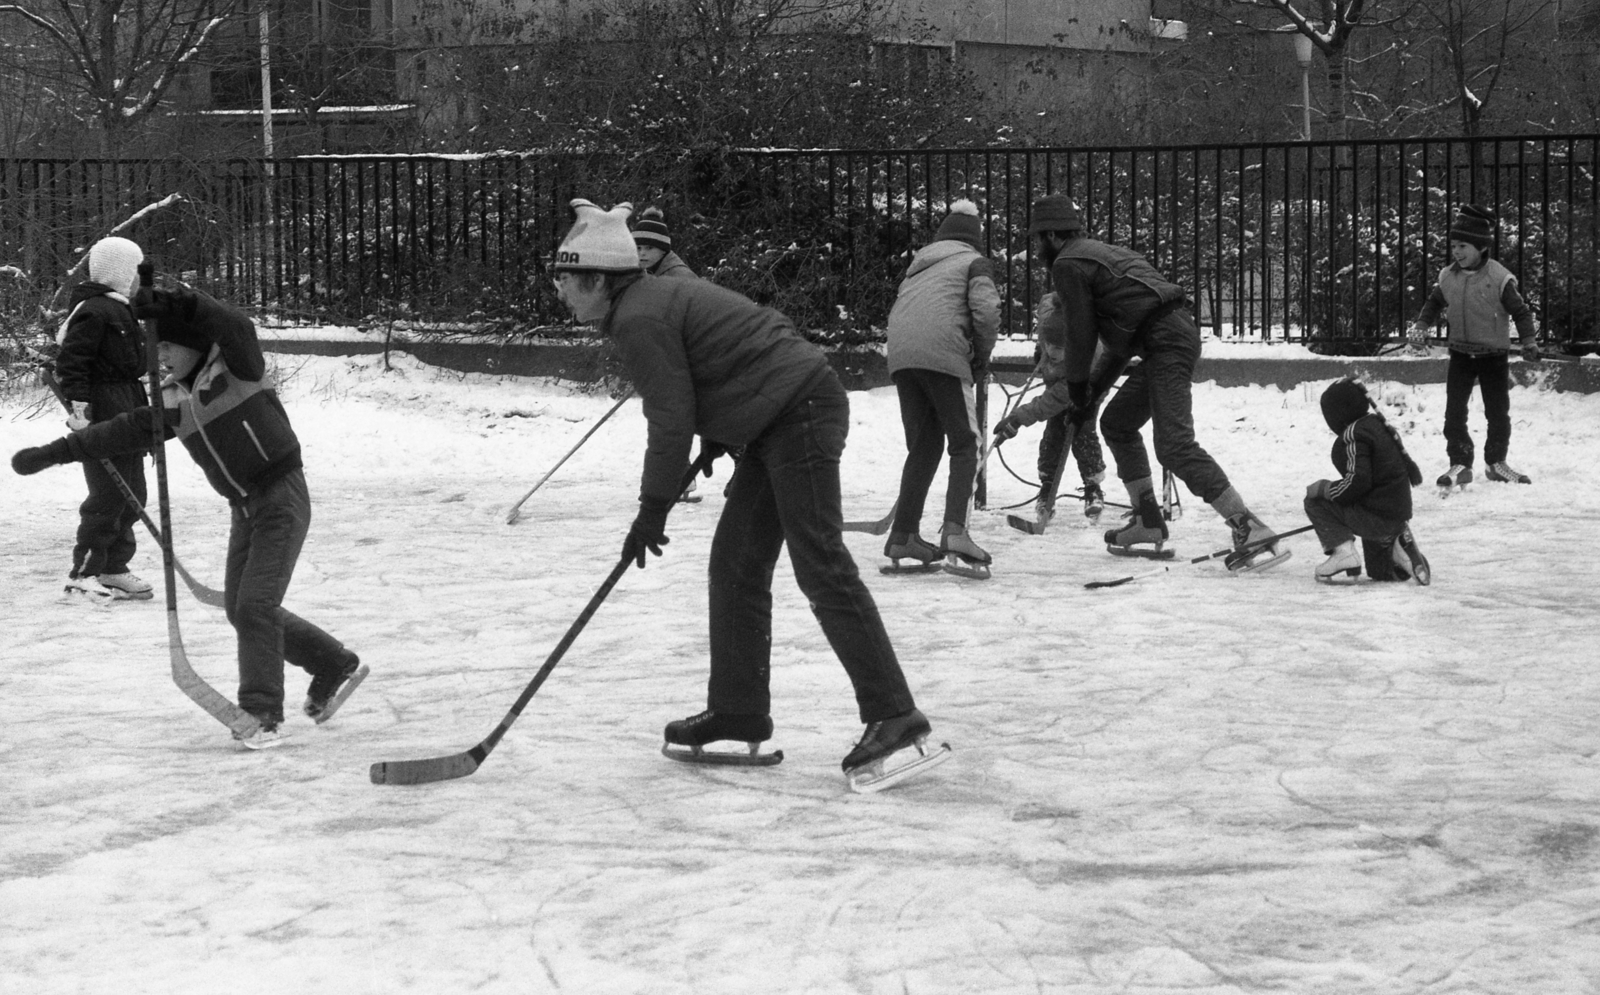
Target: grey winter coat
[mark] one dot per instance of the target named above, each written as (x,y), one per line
(946,315)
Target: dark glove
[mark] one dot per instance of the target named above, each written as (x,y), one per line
(1078,394)
(648,532)
(32,460)
(1530,351)
(710,452)
(1007,428)
(980,367)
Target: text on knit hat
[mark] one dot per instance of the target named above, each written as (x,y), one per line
(598,240)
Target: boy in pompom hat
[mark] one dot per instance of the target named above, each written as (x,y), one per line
(941,331)
(654,240)
(1372,497)
(1480,300)
(705,360)
(101,369)
(217,401)
(1112,298)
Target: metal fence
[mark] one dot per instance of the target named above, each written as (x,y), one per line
(1335,244)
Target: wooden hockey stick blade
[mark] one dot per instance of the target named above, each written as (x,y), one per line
(214,702)
(878,528)
(1028,525)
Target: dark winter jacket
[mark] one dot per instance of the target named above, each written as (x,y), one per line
(1107,294)
(102,356)
(705,360)
(225,414)
(1372,464)
(672,267)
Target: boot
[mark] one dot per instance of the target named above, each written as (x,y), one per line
(1458,475)
(711,726)
(1343,561)
(886,737)
(922,554)
(329,688)
(1499,470)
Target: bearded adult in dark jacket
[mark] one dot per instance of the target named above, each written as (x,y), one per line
(218,403)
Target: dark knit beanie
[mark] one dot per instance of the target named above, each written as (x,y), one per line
(1344,401)
(962,225)
(1054,212)
(175,313)
(1475,226)
(652,230)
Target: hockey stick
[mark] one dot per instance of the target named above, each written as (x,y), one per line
(878,528)
(1037,528)
(516,508)
(461,764)
(205,595)
(190,683)
(1230,550)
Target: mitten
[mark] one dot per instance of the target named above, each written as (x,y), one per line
(648,532)
(33,459)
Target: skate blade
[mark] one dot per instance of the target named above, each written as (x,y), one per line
(1344,578)
(874,777)
(915,567)
(1031,528)
(338,700)
(712,758)
(1140,552)
(955,565)
(78,594)
(1256,566)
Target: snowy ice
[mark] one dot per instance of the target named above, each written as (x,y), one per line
(1195,783)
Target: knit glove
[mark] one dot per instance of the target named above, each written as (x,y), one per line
(1417,335)
(648,532)
(35,458)
(1007,428)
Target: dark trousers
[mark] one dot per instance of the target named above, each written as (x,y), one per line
(1158,390)
(786,489)
(1085,449)
(105,541)
(1491,375)
(264,543)
(934,408)
(1339,523)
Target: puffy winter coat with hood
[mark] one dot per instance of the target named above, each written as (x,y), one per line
(1375,471)
(946,315)
(102,356)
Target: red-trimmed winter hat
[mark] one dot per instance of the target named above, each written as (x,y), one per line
(962,225)
(1475,226)
(1054,212)
(598,241)
(652,230)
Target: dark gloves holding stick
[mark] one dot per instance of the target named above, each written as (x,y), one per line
(33,459)
(649,530)
(1007,428)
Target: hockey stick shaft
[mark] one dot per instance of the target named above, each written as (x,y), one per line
(1226,551)
(205,595)
(462,764)
(516,508)
(183,674)
(878,527)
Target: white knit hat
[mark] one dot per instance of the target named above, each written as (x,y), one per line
(115,262)
(599,240)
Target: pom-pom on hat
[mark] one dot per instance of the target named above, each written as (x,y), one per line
(652,229)
(962,224)
(598,240)
(1055,212)
(114,261)
(1474,225)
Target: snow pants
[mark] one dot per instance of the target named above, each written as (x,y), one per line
(936,408)
(264,542)
(786,489)
(1158,390)
(1491,373)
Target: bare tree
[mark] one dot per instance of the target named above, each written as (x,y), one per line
(113,61)
(1477,37)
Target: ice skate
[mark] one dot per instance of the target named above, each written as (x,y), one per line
(1500,471)
(1457,477)
(877,762)
(1408,559)
(1255,547)
(128,586)
(329,691)
(265,737)
(709,726)
(962,556)
(90,589)
(1143,533)
(1094,501)
(919,555)
(1342,565)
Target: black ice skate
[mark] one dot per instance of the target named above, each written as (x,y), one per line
(919,555)
(962,556)
(873,764)
(1500,471)
(1143,533)
(329,691)
(1408,559)
(696,731)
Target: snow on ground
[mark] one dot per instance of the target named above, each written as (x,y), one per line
(1195,783)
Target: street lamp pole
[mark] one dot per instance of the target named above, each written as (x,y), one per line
(1303,51)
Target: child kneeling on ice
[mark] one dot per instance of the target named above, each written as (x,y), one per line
(1372,498)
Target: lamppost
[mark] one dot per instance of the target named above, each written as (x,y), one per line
(1304,49)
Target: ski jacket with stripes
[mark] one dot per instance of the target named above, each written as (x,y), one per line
(705,360)
(946,314)
(102,355)
(1373,470)
(226,415)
